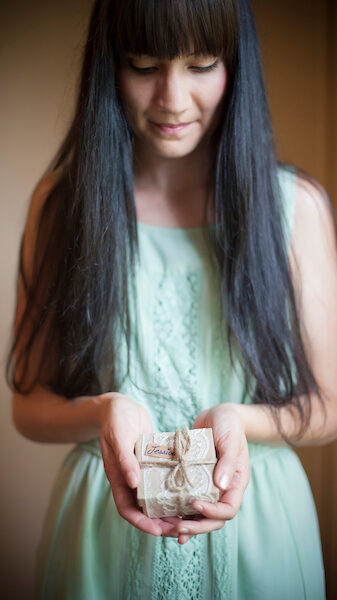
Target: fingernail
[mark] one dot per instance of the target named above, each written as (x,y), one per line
(198,507)
(183,530)
(133,479)
(224,481)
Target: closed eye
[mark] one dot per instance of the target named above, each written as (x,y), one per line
(143,70)
(205,69)
(148,70)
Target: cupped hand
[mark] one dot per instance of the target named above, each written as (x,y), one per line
(122,422)
(231,474)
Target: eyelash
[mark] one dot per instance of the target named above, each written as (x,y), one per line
(148,70)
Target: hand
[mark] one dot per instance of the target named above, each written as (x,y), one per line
(231,473)
(122,421)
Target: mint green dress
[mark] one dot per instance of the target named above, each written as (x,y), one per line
(180,366)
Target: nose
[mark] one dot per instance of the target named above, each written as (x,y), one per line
(172,91)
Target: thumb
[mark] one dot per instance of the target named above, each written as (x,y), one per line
(119,453)
(200,421)
(228,451)
(125,459)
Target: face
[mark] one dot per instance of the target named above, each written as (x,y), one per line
(172,105)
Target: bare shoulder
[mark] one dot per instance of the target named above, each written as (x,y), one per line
(313,236)
(313,261)
(41,191)
(39,196)
(28,306)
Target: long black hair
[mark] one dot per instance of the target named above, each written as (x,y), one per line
(87,236)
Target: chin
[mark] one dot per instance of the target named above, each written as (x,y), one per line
(176,150)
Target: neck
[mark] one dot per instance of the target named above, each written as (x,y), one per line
(173,191)
(171,177)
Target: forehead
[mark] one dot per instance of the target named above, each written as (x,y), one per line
(169,29)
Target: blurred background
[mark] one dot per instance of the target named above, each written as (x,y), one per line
(40,50)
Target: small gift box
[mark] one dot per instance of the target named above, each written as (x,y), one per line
(176,468)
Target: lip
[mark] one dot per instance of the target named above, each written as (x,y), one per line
(171,128)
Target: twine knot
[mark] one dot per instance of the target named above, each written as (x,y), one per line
(178,478)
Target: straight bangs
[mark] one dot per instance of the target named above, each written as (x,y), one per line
(167,29)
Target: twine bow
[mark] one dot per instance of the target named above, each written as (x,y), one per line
(178,478)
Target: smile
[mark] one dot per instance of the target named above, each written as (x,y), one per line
(171,129)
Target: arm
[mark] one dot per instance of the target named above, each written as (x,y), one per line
(260,427)
(313,263)
(116,419)
(44,416)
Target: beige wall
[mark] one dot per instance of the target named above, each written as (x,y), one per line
(299,47)
(40,44)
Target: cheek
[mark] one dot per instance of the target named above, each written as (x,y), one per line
(133,96)
(214,95)
(216,91)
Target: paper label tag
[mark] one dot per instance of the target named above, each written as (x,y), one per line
(157,451)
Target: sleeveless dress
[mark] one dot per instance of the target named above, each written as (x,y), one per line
(180,366)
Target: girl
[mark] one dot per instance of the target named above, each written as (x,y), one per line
(173,273)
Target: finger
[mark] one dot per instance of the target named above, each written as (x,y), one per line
(204,525)
(170,526)
(119,452)
(182,539)
(172,520)
(226,509)
(178,525)
(229,449)
(199,422)
(126,504)
(127,508)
